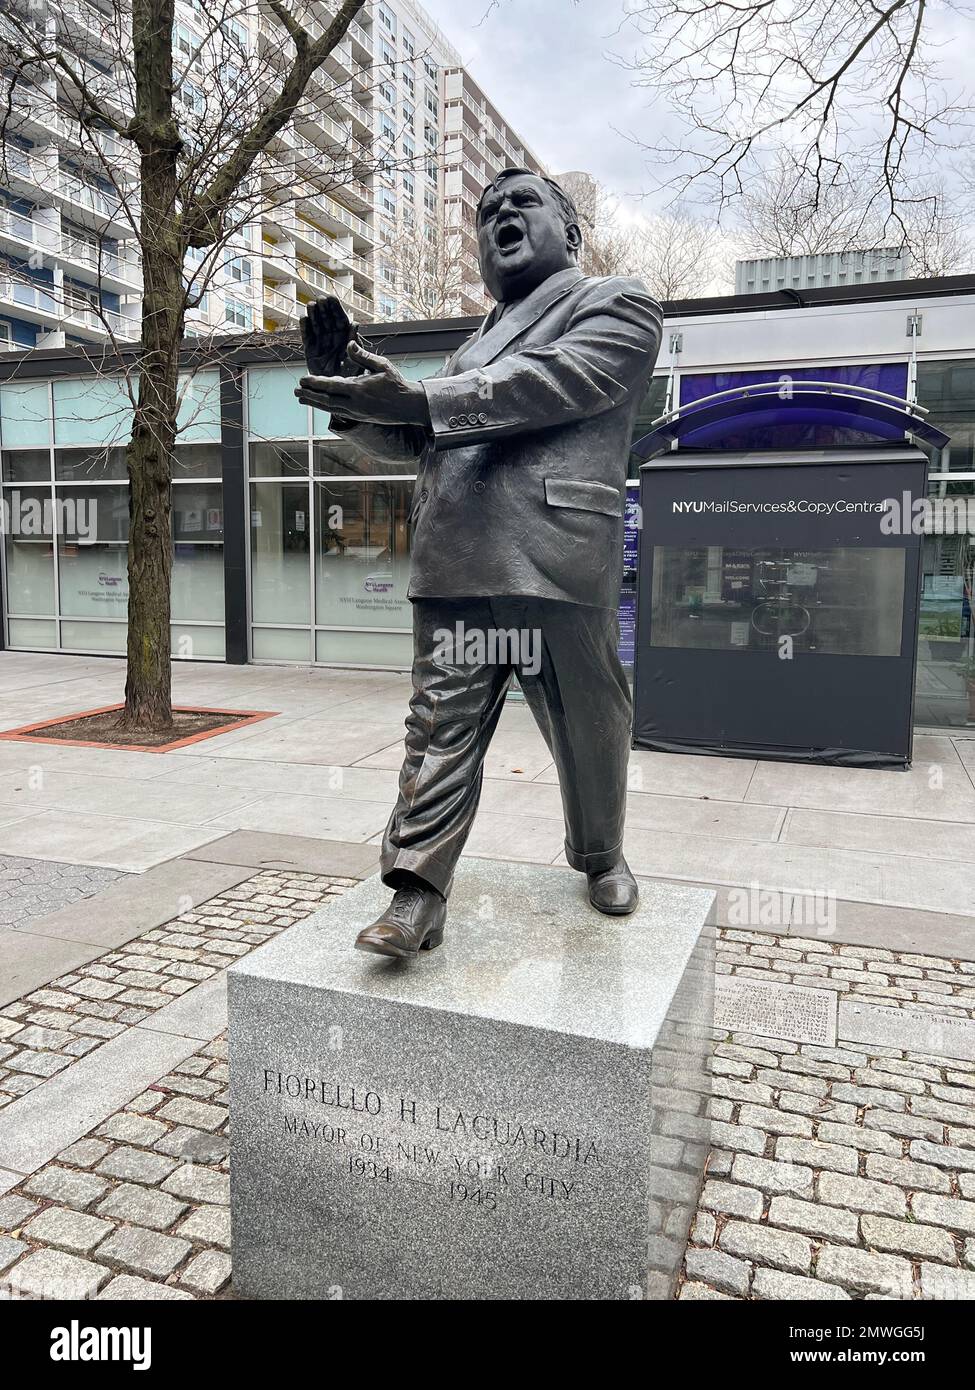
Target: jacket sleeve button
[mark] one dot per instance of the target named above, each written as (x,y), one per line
(479,486)
(482,419)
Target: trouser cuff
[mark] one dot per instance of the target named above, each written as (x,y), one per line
(596,863)
(423,866)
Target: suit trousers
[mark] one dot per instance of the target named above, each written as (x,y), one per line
(465,654)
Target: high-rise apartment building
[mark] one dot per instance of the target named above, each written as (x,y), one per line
(415,136)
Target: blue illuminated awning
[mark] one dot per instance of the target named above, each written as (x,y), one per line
(767,406)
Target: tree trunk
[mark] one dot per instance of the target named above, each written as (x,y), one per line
(148,699)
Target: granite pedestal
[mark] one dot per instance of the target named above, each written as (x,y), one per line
(517,1115)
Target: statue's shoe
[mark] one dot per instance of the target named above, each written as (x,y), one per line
(413,922)
(614,891)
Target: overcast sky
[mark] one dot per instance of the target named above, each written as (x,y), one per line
(546,65)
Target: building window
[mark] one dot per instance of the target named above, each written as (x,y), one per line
(408,44)
(386,19)
(408,115)
(236,313)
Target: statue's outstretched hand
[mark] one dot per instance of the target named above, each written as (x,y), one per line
(380,393)
(326,331)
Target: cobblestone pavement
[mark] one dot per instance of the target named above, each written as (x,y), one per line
(32,888)
(844,1172)
(138,1207)
(836,1173)
(44,1032)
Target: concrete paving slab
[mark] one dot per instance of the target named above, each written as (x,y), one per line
(267,779)
(528,839)
(262,850)
(46,1120)
(182,801)
(200,1013)
(327,816)
(906,835)
(902,929)
(30,961)
(139,902)
(309,740)
(682,774)
(936,790)
(113,842)
(8,1180)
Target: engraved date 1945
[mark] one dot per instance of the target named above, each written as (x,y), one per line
(479,1196)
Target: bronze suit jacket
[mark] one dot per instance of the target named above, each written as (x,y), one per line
(521,477)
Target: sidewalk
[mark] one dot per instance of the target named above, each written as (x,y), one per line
(135,879)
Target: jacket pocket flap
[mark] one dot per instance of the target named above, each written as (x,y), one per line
(586,497)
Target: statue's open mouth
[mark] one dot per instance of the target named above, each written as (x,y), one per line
(508,236)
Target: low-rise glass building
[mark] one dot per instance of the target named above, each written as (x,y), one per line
(289,546)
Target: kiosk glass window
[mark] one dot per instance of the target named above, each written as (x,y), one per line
(844,601)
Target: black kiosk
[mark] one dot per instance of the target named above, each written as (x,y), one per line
(779,586)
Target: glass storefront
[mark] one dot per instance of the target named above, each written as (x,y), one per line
(328,542)
(66,515)
(329,535)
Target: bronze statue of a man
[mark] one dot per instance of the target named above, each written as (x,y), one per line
(521,446)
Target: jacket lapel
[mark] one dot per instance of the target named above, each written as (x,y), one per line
(495,334)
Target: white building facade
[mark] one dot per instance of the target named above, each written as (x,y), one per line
(393,104)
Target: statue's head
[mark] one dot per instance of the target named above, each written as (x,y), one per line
(527,230)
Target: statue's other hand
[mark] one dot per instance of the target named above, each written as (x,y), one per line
(325,333)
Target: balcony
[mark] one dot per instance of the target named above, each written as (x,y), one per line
(352,299)
(334,255)
(27,300)
(337,218)
(41,304)
(79,314)
(281,305)
(92,24)
(26,234)
(115,270)
(91,205)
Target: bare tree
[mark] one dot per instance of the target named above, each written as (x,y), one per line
(607,245)
(834,80)
(783,213)
(194,137)
(674,253)
(427,268)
